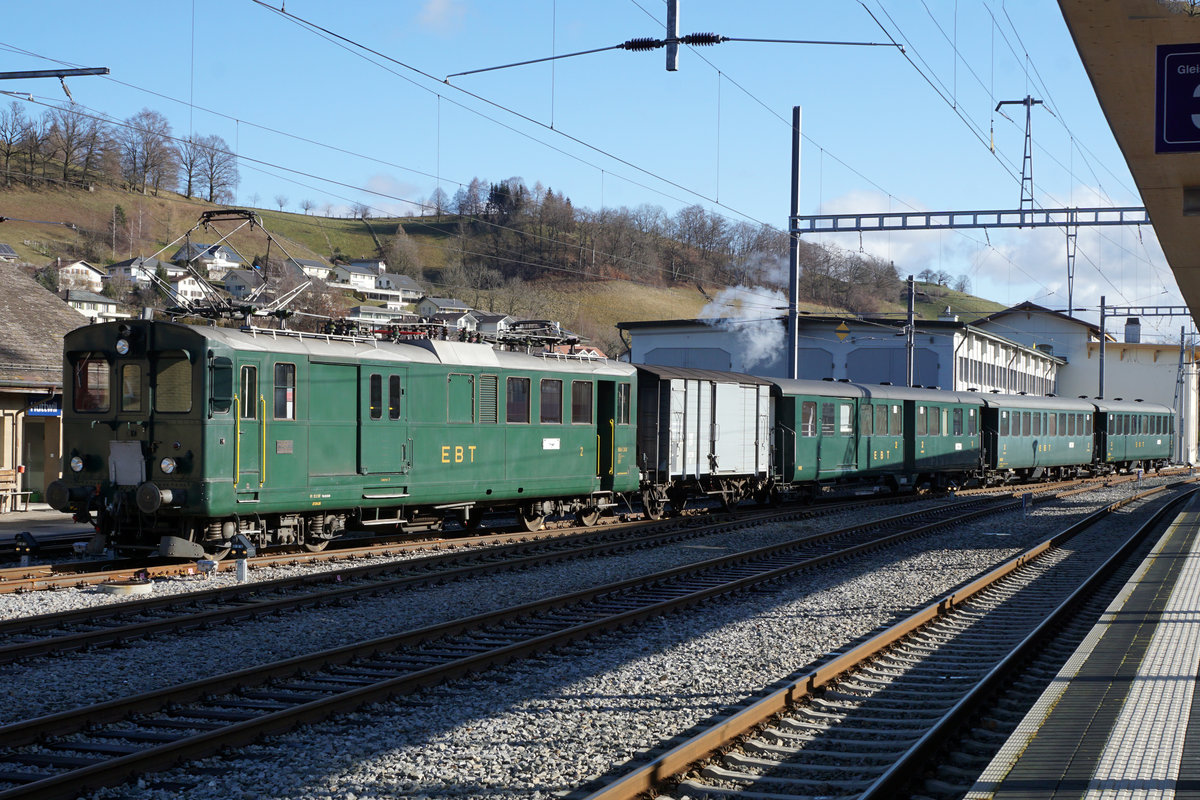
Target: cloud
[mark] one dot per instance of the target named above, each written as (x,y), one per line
(442,16)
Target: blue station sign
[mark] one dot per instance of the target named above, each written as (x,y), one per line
(46,408)
(1177,99)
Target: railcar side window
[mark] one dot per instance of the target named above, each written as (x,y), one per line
(957,422)
(285,391)
(551,401)
(845,420)
(922,424)
(581,401)
(249,393)
(865,418)
(881,419)
(92,377)
(896,425)
(623,404)
(1037,425)
(376,399)
(516,400)
(131,387)
(1088,419)
(1071,424)
(394,392)
(173,393)
(221,391)
(1004,423)
(828,418)
(808,418)
(935,422)
(1026,423)
(1145,423)
(1052,425)
(972,422)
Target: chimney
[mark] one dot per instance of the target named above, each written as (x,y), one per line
(1133,330)
(947,315)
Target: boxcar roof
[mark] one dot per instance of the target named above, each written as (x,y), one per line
(689,374)
(1131,407)
(1039,402)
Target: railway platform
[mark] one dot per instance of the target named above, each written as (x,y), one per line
(40,520)
(1122,717)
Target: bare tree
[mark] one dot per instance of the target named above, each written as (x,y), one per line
(439,201)
(281,201)
(962,284)
(218,169)
(12,136)
(189,164)
(147,156)
(307,205)
(360,211)
(66,136)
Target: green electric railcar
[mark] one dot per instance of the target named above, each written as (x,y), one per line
(1132,434)
(177,438)
(1029,438)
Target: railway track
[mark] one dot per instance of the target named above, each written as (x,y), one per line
(63,754)
(864,723)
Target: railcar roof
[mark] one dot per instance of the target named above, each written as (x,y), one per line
(793,386)
(915,393)
(421,351)
(1131,407)
(690,374)
(1039,402)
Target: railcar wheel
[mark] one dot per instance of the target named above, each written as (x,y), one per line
(588,517)
(678,497)
(653,505)
(315,545)
(530,519)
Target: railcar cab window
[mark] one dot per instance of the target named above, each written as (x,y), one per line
(551,402)
(131,387)
(828,419)
(516,400)
(173,390)
(249,386)
(220,393)
(581,402)
(92,377)
(394,392)
(285,391)
(623,404)
(376,397)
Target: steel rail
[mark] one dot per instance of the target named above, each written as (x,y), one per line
(616,614)
(702,746)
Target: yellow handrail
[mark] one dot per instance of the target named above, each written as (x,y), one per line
(612,430)
(262,432)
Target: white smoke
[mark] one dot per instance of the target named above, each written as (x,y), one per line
(752,316)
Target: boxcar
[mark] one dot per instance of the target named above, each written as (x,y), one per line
(181,437)
(701,432)
(1029,438)
(1133,433)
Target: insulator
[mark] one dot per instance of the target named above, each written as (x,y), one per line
(642,44)
(702,39)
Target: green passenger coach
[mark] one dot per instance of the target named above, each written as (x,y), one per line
(181,437)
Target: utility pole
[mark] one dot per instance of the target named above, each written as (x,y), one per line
(794,255)
(910,331)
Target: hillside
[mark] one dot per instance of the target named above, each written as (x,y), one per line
(105,225)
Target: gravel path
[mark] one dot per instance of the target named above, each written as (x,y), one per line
(543,727)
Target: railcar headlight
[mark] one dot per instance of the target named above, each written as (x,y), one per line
(167,465)
(76,464)
(122,347)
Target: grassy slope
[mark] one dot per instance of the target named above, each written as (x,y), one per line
(591,308)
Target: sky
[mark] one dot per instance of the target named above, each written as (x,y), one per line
(350,102)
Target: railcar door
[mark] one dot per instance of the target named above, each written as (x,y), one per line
(383,442)
(250,404)
(606,426)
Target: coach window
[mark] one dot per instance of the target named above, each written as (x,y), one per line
(376,398)
(249,386)
(131,387)
(881,419)
(516,400)
(896,425)
(922,425)
(394,392)
(1088,420)
(808,418)
(551,401)
(623,394)
(1037,424)
(1052,425)
(845,419)
(1145,423)
(828,418)
(865,419)
(1071,424)
(957,421)
(581,401)
(92,378)
(173,393)
(1062,424)
(285,391)
(972,422)
(1004,423)
(1026,423)
(935,422)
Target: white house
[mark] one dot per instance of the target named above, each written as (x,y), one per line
(379,266)
(360,279)
(429,306)
(490,322)
(95,307)
(457,320)
(312,267)
(136,271)
(80,275)
(187,288)
(208,259)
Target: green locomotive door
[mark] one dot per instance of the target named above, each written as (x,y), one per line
(383,443)
(250,405)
